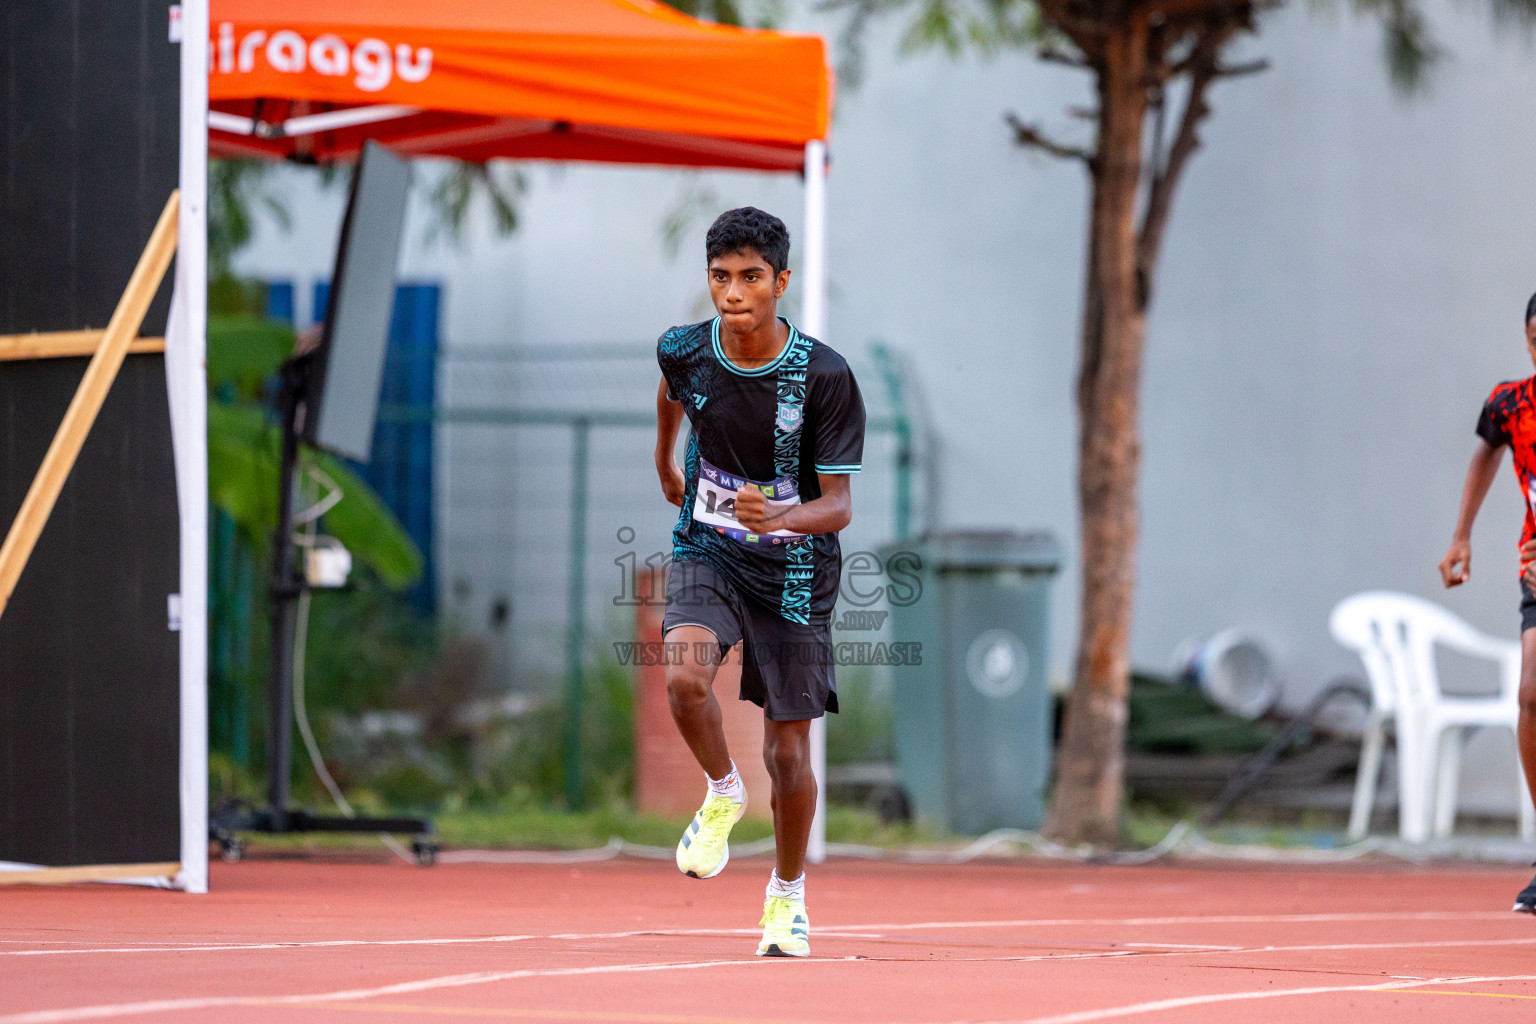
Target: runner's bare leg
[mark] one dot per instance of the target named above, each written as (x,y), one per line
(691,695)
(787,753)
(1525,734)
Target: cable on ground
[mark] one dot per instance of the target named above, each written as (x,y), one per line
(300,711)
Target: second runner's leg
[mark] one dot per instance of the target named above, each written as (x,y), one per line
(1526,734)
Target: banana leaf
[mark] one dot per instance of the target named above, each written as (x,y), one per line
(244,350)
(244,458)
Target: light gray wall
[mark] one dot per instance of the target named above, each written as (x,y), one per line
(1339,291)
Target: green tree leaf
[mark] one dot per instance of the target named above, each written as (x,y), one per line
(244,454)
(244,351)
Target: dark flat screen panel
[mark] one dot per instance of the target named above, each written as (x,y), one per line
(362,295)
(89,669)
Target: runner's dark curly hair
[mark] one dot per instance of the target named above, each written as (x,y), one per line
(747,227)
(1530,307)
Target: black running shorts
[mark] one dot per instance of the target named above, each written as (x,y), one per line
(786,667)
(1527,607)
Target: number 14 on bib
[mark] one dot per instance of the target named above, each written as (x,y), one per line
(714,504)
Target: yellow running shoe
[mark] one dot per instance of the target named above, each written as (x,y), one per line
(786,928)
(704,851)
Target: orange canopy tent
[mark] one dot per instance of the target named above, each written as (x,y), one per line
(608,80)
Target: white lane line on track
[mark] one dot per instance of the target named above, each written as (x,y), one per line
(1428,915)
(1217,950)
(1156,1005)
(109,1010)
(245,946)
(333,943)
(1428,944)
(864,931)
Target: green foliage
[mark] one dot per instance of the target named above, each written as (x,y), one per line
(461,185)
(365,525)
(861,730)
(1170,718)
(236,188)
(363,643)
(244,350)
(532,763)
(953,27)
(234,296)
(1410,50)
(755,13)
(987,26)
(244,457)
(517,821)
(244,452)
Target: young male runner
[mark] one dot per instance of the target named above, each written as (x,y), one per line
(777,428)
(1508,418)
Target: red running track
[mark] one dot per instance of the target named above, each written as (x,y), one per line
(312,941)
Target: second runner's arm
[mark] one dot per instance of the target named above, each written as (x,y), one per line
(1456,566)
(827,514)
(669,417)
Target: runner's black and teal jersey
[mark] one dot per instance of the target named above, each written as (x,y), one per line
(777,425)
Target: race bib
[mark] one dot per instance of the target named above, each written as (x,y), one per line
(715,504)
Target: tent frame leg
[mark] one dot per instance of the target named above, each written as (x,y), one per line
(814,320)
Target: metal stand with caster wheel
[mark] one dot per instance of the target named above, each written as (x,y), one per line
(287,583)
(231,848)
(426,850)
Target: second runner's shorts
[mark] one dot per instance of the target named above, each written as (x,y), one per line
(786,667)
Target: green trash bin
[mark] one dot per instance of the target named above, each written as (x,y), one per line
(972,721)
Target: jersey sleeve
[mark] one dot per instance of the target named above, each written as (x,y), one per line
(1493,421)
(840,424)
(665,345)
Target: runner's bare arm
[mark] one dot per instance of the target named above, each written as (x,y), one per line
(827,514)
(1456,566)
(669,417)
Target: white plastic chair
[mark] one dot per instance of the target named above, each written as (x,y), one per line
(1395,636)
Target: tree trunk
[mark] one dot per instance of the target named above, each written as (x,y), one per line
(1090,763)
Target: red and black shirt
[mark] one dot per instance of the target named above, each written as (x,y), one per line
(1509,417)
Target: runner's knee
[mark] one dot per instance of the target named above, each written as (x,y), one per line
(689,684)
(1527,698)
(786,758)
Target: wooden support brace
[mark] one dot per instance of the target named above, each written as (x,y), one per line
(88,873)
(92,392)
(61,344)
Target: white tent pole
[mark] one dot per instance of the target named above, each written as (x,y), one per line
(813,320)
(186,384)
(814,293)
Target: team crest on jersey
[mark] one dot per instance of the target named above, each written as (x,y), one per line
(788,419)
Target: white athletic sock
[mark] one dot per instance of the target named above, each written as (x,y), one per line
(787,890)
(729,786)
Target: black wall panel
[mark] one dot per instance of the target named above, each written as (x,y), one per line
(89,94)
(89,695)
